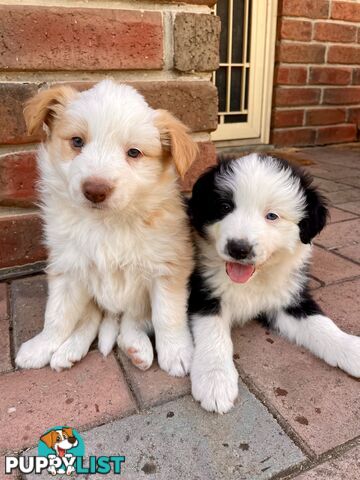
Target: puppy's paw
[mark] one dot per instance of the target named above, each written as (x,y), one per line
(216,389)
(175,356)
(109,330)
(35,353)
(348,358)
(138,348)
(70,352)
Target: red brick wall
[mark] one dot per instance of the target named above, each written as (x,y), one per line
(317,75)
(165,49)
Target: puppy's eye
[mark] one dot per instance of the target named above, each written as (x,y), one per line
(77,142)
(226,207)
(271,216)
(134,153)
(58,439)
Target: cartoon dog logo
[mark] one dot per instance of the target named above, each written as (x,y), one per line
(60,441)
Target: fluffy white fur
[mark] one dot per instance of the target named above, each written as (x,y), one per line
(128,256)
(257,186)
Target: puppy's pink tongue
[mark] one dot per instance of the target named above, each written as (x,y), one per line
(239,273)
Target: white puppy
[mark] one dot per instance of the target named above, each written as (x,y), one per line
(115,227)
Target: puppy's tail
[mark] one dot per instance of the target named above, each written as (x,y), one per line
(108,332)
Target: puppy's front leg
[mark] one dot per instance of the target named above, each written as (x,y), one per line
(65,305)
(214,379)
(169,316)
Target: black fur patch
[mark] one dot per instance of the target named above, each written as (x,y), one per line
(304,306)
(201,300)
(208,204)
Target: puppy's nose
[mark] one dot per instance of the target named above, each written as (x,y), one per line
(239,249)
(72,440)
(96,190)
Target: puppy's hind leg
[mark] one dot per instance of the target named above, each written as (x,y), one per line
(108,332)
(135,342)
(79,342)
(323,338)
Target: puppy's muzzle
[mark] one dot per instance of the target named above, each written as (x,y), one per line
(97,190)
(239,249)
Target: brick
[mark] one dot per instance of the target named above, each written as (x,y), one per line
(20,239)
(44,398)
(295,30)
(293,137)
(319,402)
(287,118)
(354,181)
(346,11)
(205,159)
(356,76)
(325,116)
(12,124)
(196,42)
(290,75)
(338,96)
(330,268)
(346,466)
(354,116)
(352,252)
(336,134)
(333,237)
(343,54)
(337,215)
(330,75)
(329,186)
(353,206)
(80,38)
(305,8)
(18,175)
(28,301)
(342,196)
(5,357)
(163,439)
(335,32)
(177,96)
(341,301)
(296,96)
(300,53)
(154,386)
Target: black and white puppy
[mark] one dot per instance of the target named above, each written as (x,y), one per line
(254,219)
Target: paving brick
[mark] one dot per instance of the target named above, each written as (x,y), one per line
(154,386)
(5,357)
(342,303)
(28,298)
(337,215)
(196,42)
(12,124)
(343,196)
(330,268)
(180,440)
(205,159)
(328,186)
(313,284)
(319,402)
(20,239)
(333,237)
(344,467)
(18,175)
(354,181)
(352,252)
(332,172)
(353,207)
(94,391)
(80,38)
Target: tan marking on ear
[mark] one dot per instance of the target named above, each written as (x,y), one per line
(68,431)
(46,105)
(49,438)
(175,139)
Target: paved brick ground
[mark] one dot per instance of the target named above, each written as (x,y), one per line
(295,417)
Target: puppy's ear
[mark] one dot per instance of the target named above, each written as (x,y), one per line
(316,214)
(68,431)
(49,438)
(45,106)
(176,140)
